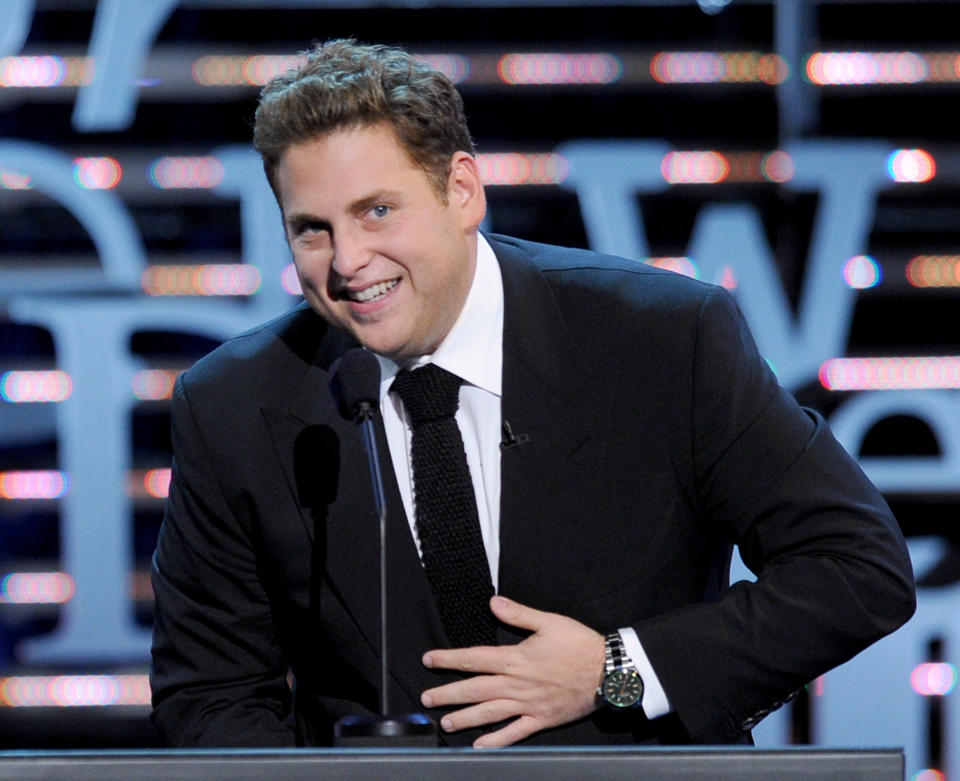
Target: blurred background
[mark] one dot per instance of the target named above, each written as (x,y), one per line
(801,154)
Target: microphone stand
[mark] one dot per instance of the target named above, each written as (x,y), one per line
(365,417)
(411,729)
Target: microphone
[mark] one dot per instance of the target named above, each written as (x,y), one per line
(355,385)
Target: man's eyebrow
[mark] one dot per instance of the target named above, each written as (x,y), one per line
(299,219)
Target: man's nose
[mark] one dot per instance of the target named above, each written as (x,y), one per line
(351,252)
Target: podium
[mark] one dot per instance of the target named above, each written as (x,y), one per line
(511,764)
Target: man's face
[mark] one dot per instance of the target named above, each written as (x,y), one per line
(377,251)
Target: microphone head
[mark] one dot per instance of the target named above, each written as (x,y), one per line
(355,382)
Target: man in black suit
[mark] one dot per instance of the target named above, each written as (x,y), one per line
(621,433)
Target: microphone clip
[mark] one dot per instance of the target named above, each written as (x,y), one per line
(510,439)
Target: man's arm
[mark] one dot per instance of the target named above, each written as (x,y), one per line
(833,572)
(218,675)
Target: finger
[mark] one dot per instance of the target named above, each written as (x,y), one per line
(483,688)
(512,733)
(477,659)
(478,715)
(516,614)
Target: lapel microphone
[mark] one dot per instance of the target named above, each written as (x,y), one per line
(355,385)
(509,439)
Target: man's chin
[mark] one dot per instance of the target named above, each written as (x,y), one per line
(380,338)
(388,348)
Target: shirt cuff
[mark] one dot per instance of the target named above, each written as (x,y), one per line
(654,702)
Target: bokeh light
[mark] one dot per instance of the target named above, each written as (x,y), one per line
(74,690)
(42,71)
(934,679)
(33,484)
(217,70)
(214,279)
(928,774)
(861,272)
(907,373)
(694,167)
(911,165)
(36,588)
(11,180)
(777,166)
(455,67)
(157,482)
(516,168)
(934,271)
(717,67)
(154,384)
(186,173)
(559,68)
(855,68)
(35,386)
(680,265)
(727,278)
(45,71)
(97,173)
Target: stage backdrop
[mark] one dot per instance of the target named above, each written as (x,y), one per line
(799,153)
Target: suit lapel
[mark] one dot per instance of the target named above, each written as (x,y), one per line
(547,396)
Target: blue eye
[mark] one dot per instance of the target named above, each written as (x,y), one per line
(380,210)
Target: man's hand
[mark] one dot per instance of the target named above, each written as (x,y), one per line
(549,679)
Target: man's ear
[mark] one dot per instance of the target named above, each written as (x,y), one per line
(465,190)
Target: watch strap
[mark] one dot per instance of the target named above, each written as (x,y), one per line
(615,654)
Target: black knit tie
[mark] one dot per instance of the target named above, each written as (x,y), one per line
(447,524)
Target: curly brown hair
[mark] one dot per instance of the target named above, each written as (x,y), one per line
(345,84)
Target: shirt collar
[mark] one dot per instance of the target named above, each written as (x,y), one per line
(473,349)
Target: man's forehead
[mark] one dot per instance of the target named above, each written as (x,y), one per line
(349,152)
(345,169)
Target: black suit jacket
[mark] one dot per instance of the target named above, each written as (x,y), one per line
(656,438)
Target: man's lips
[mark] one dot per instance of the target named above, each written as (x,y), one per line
(371,293)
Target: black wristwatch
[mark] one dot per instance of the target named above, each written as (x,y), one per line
(622,686)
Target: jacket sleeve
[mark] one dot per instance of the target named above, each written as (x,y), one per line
(833,573)
(218,675)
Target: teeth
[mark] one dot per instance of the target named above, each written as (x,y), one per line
(374,291)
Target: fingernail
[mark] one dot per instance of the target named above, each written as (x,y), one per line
(500,601)
(427,660)
(426,699)
(446,724)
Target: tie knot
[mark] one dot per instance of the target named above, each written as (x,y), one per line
(428,393)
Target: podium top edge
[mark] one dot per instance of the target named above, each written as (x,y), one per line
(512,751)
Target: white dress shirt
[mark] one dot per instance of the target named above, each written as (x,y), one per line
(473,350)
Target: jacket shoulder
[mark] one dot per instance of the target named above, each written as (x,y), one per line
(577,276)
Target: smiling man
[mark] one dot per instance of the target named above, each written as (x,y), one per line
(616,430)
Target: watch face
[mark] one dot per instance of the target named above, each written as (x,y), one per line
(623,688)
